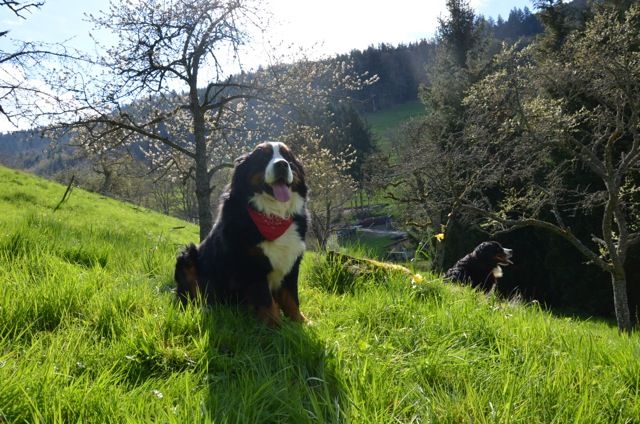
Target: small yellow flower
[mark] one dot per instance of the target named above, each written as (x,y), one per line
(439,236)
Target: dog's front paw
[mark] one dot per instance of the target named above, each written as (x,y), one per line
(269,315)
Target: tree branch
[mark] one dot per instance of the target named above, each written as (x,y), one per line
(512,224)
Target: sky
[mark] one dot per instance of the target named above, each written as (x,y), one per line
(330,26)
(322,27)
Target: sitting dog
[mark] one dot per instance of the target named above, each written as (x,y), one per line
(482,267)
(252,254)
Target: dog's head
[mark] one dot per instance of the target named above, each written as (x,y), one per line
(493,254)
(271,179)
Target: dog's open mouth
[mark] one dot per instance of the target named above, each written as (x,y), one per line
(281,191)
(503,259)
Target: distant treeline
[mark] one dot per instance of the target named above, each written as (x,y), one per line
(403,68)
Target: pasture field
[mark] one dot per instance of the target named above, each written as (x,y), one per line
(89,332)
(385,123)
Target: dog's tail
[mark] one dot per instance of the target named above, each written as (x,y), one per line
(186,274)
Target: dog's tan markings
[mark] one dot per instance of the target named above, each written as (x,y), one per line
(254,251)
(256,180)
(264,149)
(270,315)
(297,182)
(289,306)
(191,279)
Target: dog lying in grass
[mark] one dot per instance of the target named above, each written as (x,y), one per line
(482,267)
(252,255)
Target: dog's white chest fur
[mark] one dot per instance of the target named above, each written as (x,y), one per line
(497,271)
(282,253)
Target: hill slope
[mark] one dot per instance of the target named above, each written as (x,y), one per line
(385,123)
(89,333)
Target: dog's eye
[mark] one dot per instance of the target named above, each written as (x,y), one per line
(288,156)
(285,154)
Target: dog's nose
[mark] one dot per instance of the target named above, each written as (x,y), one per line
(281,165)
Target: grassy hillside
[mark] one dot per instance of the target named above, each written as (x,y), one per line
(89,332)
(385,122)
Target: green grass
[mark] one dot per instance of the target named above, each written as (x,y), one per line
(385,122)
(89,332)
(375,247)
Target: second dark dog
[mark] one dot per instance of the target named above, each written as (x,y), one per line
(482,267)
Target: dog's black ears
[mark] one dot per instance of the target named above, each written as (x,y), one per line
(297,164)
(240,168)
(240,175)
(186,275)
(240,159)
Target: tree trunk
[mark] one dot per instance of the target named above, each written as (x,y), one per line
(203,189)
(621,302)
(327,226)
(438,254)
(107,182)
(318,231)
(441,246)
(203,195)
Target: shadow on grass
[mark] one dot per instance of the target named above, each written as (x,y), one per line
(566,313)
(258,374)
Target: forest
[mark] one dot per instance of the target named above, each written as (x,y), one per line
(528,133)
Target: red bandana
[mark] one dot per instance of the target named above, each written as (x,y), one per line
(270,226)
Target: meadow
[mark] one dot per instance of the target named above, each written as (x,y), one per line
(385,124)
(90,332)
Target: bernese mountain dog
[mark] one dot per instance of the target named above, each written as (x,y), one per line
(482,267)
(252,254)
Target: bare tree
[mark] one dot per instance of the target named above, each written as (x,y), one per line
(167,86)
(330,185)
(163,45)
(18,65)
(19,8)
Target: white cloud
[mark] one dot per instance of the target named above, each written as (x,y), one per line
(329,27)
(341,25)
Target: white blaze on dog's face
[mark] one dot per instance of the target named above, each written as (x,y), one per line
(278,174)
(275,180)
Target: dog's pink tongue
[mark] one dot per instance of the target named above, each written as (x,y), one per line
(281,192)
